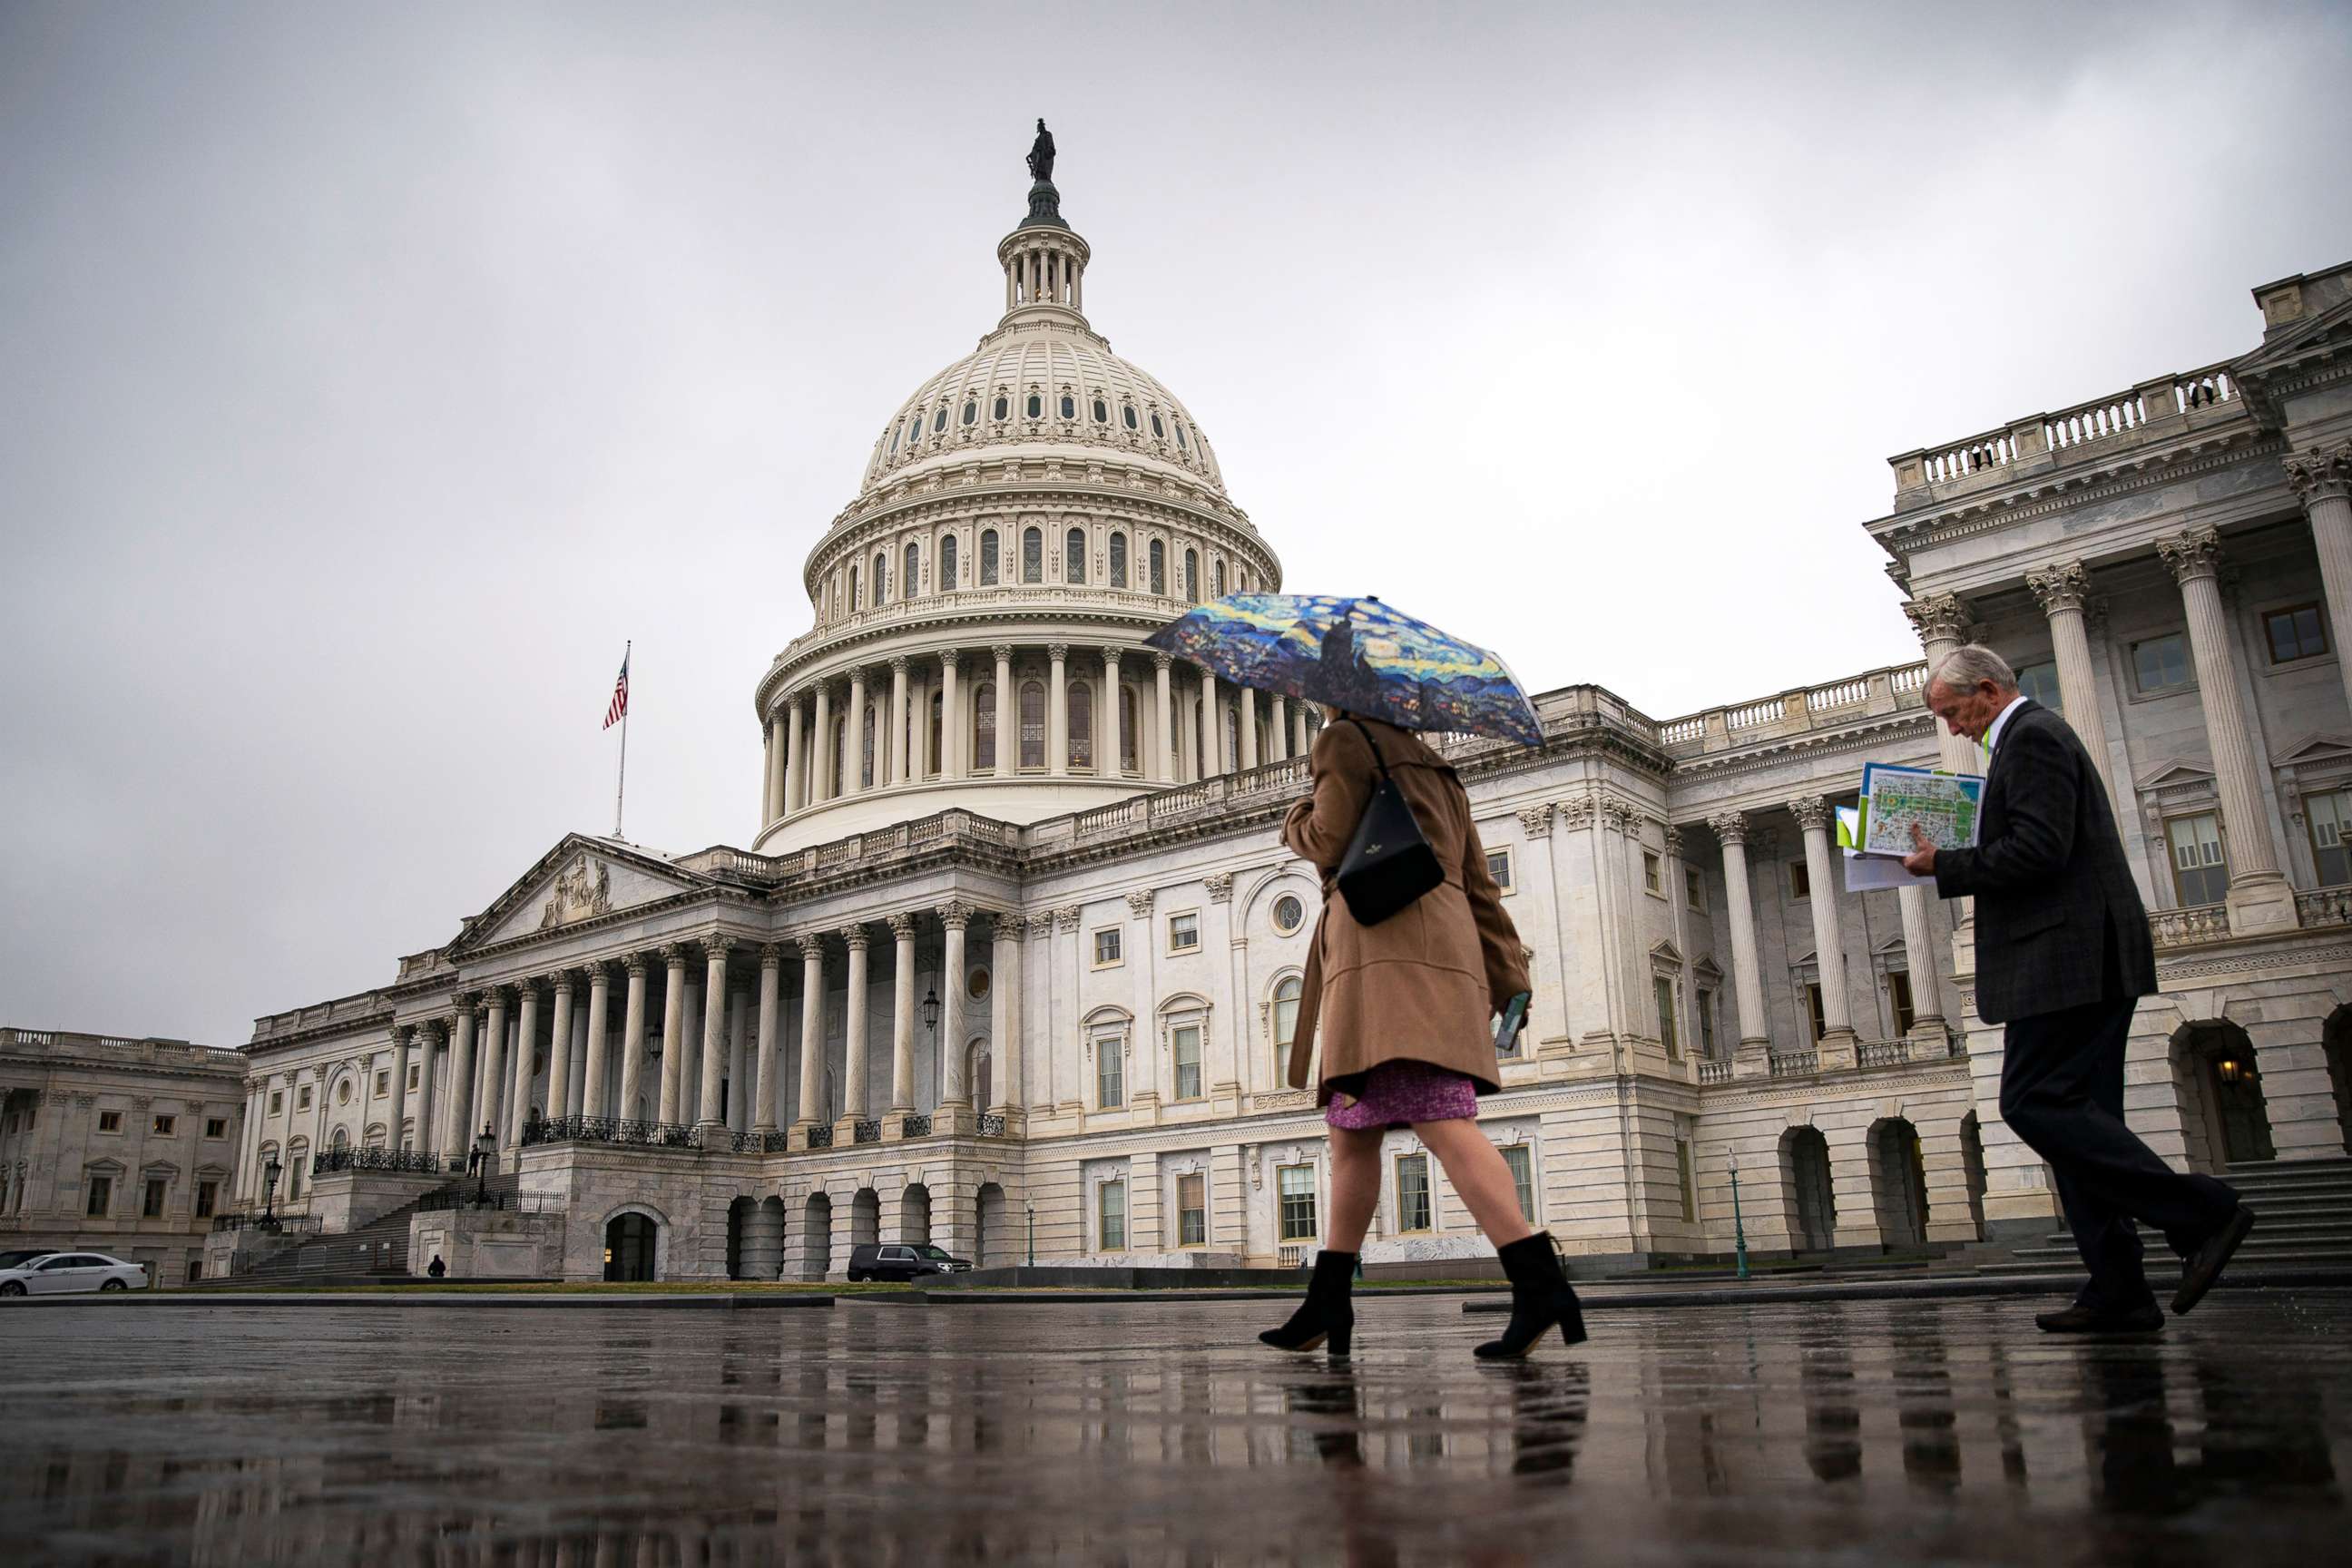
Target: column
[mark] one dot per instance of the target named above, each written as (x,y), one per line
(770,1070)
(494,1065)
(672,1068)
(1942,622)
(526,1046)
(428,1040)
(457,1119)
(633,1040)
(779,750)
(1004,1029)
(1747,974)
(820,784)
(796,763)
(2259,899)
(902,1015)
(1008,738)
(600,996)
(1110,720)
(2322,478)
(1812,814)
(1212,728)
(402,1035)
(1277,726)
(1299,744)
(2062,590)
(853,1098)
(899,769)
(955,1091)
(951,726)
(742,1066)
(852,772)
(1919,958)
(811,1037)
(1163,750)
(1057,711)
(558,1049)
(711,1118)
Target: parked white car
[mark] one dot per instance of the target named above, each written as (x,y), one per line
(54,1273)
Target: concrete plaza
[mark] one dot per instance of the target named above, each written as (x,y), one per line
(1144,1432)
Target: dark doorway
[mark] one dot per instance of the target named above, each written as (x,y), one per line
(1805,1167)
(1898,1183)
(629,1248)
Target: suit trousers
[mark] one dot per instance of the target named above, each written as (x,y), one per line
(2062,1090)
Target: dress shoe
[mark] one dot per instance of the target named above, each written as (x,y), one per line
(2079,1319)
(2204,1266)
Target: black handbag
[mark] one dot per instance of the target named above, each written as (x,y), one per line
(1388,864)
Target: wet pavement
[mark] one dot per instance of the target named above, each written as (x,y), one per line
(1150,1433)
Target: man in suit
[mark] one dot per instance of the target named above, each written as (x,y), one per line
(2062,957)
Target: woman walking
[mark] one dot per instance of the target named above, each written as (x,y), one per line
(1404,1007)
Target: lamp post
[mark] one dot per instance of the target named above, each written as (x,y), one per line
(270,1175)
(932,1028)
(485,1145)
(1738,1228)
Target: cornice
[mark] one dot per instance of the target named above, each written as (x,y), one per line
(1769,753)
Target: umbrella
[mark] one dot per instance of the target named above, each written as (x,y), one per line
(1356,654)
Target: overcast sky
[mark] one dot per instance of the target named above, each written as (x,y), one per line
(368,375)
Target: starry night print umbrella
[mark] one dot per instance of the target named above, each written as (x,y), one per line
(1358,654)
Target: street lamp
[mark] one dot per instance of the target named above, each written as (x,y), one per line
(485,1145)
(270,1175)
(931,1011)
(1738,1229)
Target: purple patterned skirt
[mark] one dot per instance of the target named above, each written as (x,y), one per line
(1399,1093)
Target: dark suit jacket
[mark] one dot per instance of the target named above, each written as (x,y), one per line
(2048,874)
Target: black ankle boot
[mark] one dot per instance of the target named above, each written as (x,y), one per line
(1540,1300)
(1327,1313)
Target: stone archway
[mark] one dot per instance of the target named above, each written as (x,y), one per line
(739,1221)
(1805,1175)
(763,1240)
(631,1239)
(2335,1039)
(994,1247)
(1898,1183)
(914,1215)
(2224,1116)
(864,1217)
(816,1237)
(1972,1169)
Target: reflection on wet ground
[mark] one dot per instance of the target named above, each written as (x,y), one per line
(1157,1433)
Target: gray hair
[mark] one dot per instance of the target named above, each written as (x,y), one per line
(1961,670)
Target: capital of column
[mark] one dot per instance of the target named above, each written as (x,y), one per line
(1940,617)
(2321,473)
(1162,662)
(771,955)
(1729,826)
(1010,926)
(1002,651)
(1066,919)
(675,955)
(1576,811)
(857,936)
(811,943)
(716,947)
(435,1030)
(2192,553)
(1673,842)
(956,915)
(904,925)
(898,664)
(1221,887)
(1618,816)
(634,965)
(465,1001)
(566,980)
(1812,811)
(1110,655)
(401,1034)
(1535,821)
(1138,900)
(2065,586)
(1057,651)
(951,657)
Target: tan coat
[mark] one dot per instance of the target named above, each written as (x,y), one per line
(1423,984)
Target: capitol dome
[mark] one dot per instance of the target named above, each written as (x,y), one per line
(1026,517)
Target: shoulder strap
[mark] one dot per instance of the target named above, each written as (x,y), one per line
(1375,745)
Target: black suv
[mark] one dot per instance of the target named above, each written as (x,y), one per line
(895,1260)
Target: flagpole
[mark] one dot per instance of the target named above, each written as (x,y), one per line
(620,789)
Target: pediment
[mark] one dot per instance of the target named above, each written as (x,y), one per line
(1666,952)
(2173,774)
(2315,751)
(2329,327)
(580,878)
(1707,969)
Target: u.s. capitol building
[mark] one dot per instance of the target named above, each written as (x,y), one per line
(1009,960)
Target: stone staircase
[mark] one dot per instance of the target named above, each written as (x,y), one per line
(2303,1208)
(373,1254)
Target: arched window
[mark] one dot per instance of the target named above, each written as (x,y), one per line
(946,563)
(915,429)
(983,725)
(940,420)
(1159,431)
(866,747)
(881,580)
(1159,568)
(932,755)
(1082,725)
(972,410)
(1130,728)
(1193,575)
(1001,407)
(1073,556)
(1036,405)
(855,602)
(840,753)
(1232,714)
(1179,436)
(1126,413)
(1102,412)
(1032,724)
(913,575)
(1217,579)
(897,436)
(1069,406)
(1286,1022)
(988,558)
(1118,559)
(1033,555)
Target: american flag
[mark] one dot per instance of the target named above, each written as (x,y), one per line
(619,707)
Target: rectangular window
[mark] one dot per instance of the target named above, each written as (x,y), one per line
(1688,1179)
(207,1199)
(1183,933)
(110,1122)
(1898,995)
(165,1125)
(1187,1042)
(302,1098)
(1498,865)
(1412,1192)
(2039,681)
(150,1201)
(1800,880)
(1653,876)
(2201,869)
(1695,890)
(412,1077)
(1110,1216)
(2297,633)
(382,1082)
(1522,1162)
(1661,992)
(101,1196)
(277,1101)
(2330,817)
(1107,947)
(1706,1024)
(2160,664)
(1193,1211)
(215,1126)
(1814,1005)
(1296,1184)
(1110,1080)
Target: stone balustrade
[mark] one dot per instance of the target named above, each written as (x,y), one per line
(1893,690)
(2151,411)
(2190,927)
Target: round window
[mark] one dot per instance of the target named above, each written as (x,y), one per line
(344,1092)
(1069,406)
(1290,914)
(976,984)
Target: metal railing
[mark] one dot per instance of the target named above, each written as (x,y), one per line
(457,1195)
(992,1124)
(868,1130)
(918,1127)
(274,1224)
(609,1130)
(820,1137)
(767,1141)
(418,1162)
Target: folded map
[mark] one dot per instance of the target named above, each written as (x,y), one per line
(1944,806)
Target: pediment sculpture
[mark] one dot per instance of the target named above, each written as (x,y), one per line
(581,892)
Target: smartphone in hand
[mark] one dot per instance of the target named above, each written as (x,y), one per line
(1513,1020)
